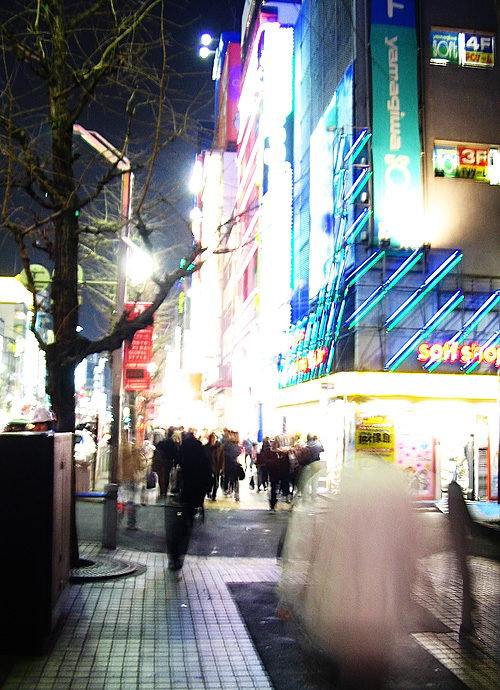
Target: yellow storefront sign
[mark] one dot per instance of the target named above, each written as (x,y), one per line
(374,438)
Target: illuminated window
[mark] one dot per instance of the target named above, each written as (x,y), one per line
(479,162)
(452,47)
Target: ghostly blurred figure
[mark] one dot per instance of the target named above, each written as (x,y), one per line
(349,580)
(461,528)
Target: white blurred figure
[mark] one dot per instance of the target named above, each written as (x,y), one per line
(361,563)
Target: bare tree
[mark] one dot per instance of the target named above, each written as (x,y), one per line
(67,62)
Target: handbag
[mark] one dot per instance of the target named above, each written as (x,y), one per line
(151,480)
(175,480)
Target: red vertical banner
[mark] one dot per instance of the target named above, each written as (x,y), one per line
(138,353)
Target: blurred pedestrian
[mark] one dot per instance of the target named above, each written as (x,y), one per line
(262,471)
(311,468)
(233,470)
(248,448)
(275,461)
(164,458)
(196,473)
(359,560)
(194,482)
(133,476)
(461,527)
(215,455)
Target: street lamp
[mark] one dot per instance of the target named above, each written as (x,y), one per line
(204,49)
(122,163)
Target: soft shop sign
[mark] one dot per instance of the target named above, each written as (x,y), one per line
(460,353)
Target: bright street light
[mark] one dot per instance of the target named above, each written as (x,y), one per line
(204,49)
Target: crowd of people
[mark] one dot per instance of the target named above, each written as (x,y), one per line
(290,467)
(185,468)
(192,467)
(215,457)
(284,466)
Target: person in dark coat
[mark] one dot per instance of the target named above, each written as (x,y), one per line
(196,473)
(233,470)
(164,458)
(195,481)
(276,462)
(215,455)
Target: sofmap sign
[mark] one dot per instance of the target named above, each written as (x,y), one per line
(396,140)
(457,352)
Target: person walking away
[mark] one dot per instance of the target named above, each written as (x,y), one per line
(461,528)
(232,472)
(309,476)
(248,448)
(215,455)
(196,473)
(262,471)
(276,463)
(133,476)
(181,508)
(164,458)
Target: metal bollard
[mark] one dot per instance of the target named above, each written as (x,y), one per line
(110,516)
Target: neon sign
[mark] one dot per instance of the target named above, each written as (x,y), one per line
(463,354)
(309,361)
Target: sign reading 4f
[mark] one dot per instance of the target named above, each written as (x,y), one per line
(450,47)
(476,50)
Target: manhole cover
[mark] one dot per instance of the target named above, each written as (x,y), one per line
(102,568)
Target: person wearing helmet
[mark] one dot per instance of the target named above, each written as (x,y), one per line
(43,420)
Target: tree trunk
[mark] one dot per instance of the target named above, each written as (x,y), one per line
(64,288)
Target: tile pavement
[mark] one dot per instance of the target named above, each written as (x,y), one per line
(476,664)
(147,631)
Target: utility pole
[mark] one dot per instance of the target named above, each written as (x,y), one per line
(122,163)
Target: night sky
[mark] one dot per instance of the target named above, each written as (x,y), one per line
(217,15)
(194,18)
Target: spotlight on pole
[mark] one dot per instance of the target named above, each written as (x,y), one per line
(204,48)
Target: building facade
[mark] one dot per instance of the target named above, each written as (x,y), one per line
(393,219)
(22,364)
(364,277)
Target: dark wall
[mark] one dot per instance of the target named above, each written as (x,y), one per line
(461,104)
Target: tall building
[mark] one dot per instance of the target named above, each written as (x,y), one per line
(394,345)
(209,331)
(22,364)
(364,283)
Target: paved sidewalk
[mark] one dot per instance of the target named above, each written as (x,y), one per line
(476,664)
(149,632)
